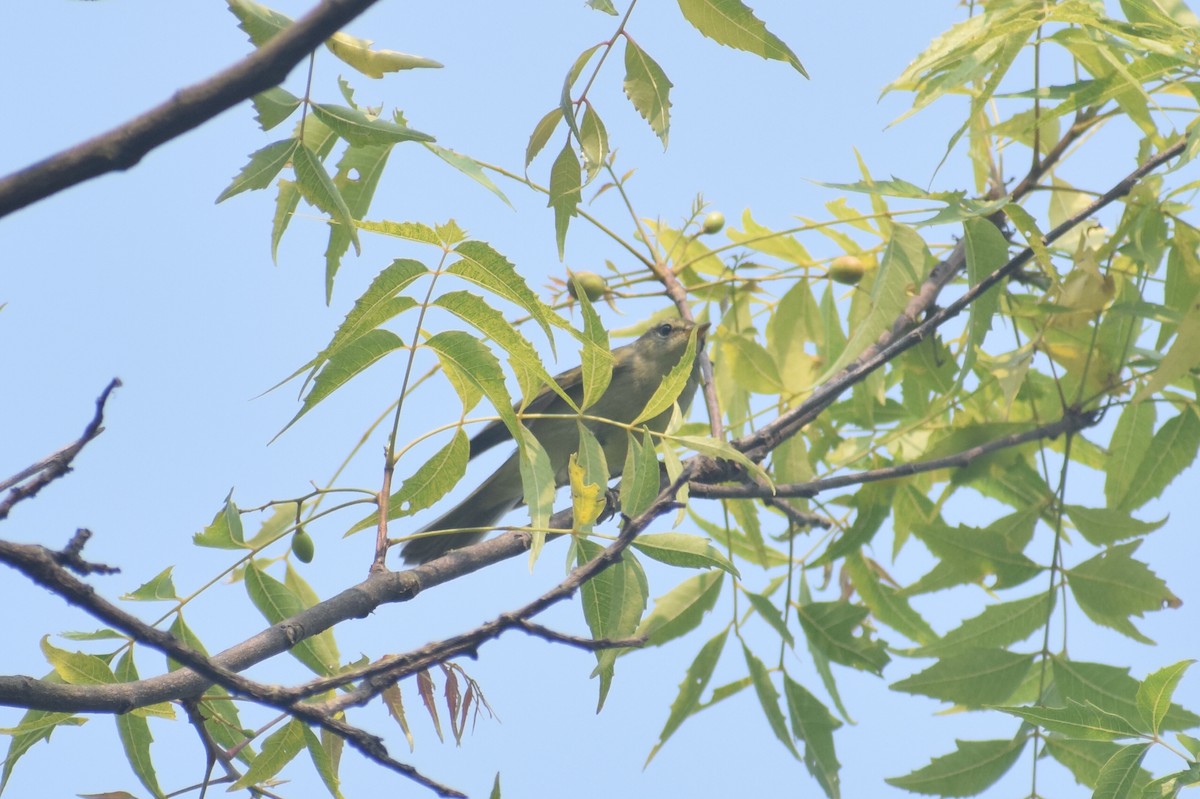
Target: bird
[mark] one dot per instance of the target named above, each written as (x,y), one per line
(638,370)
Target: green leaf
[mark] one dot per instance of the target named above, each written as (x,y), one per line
(429,483)
(595,358)
(968,555)
(220,713)
(590,458)
(987,250)
(522,357)
(1083,758)
(357,176)
(77,668)
(542,132)
(408,231)
(687,701)
(722,450)
(259,22)
(482,265)
(733,24)
(640,476)
(1103,526)
(768,698)
(1126,451)
(680,549)
(469,167)
(357,127)
(539,485)
(1076,721)
(474,372)
(753,367)
(647,87)
(605,6)
(814,724)
(970,769)
(973,678)
(1112,586)
(997,626)
(374,63)
(351,358)
(323,761)
(380,303)
(277,602)
(565,193)
(280,748)
(319,189)
(1121,772)
(134,732)
(830,628)
(885,602)
(161,587)
(672,385)
(35,726)
(274,106)
(1154,694)
(1111,689)
(771,614)
(1174,448)
(613,602)
(681,609)
(593,141)
(263,167)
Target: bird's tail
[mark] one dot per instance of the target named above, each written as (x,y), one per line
(482,508)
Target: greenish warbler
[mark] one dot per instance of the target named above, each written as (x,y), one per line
(638,370)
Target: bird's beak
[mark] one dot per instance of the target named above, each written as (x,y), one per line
(701,332)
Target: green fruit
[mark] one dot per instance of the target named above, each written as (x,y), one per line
(713,222)
(302,546)
(592,284)
(847,269)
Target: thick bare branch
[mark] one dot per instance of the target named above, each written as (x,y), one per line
(124,146)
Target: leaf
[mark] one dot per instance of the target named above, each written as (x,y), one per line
(640,476)
(1112,586)
(771,615)
(1103,526)
(539,485)
(318,188)
(973,678)
(277,602)
(77,668)
(885,602)
(647,87)
(587,498)
(593,141)
(264,165)
(474,372)
(753,367)
(687,551)
(830,626)
(259,22)
(1121,772)
(429,483)
(768,698)
(1174,448)
(35,726)
(160,588)
(482,265)
(1154,694)
(357,176)
(522,357)
(590,459)
(722,450)
(351,359)
(681,609)
(274,106)
(814,724)
(687,701)
(613,602)
(1111,689)
(374,63)
(733,24)
(997,626)
(279,749)
(987,251)
(356,127)
(970,769)
(324,761)
(1127,449)
(221,718)
(134,732)
(380,303)
(672,385)
(541,134)
(1076,721)
(469,167)
(595,358)
(565,193)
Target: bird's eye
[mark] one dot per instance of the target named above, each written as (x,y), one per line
(665,329)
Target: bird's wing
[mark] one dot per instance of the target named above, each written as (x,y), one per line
(497,432)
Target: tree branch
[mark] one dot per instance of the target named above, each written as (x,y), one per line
(124,146)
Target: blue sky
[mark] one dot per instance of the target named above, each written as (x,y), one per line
(140,275)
